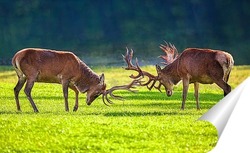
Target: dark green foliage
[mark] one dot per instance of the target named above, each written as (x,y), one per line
(105,28)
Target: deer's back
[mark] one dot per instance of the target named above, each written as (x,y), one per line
(200,63)
(47,63)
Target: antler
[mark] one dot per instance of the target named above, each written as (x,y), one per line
(123,87)
(170,51)
(151,78)
(128,60)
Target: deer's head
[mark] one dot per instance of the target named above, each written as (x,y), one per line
(164,77)
(96,90)
(165,80)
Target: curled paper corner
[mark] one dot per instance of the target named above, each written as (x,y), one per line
(230,116)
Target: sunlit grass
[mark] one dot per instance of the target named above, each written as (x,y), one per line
(148,121)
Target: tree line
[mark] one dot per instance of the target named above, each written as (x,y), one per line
(103,29)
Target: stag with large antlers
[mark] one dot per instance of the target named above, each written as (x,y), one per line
(43,65)
(196,66)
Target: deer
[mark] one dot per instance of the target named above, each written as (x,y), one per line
(193,65)
(61,67)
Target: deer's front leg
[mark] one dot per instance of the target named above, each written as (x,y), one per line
(196,95)
(65,85)
(184,92)
(76,94)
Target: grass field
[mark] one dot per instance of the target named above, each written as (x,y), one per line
(148,121)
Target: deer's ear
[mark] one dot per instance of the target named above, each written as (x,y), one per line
(158,69)
(102,78)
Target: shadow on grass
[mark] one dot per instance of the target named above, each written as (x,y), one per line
(133,114)
(142,95)
(167,109)
(156,104)
(108,114)
(7,76)
(15,113)
(37,97)
(207,100)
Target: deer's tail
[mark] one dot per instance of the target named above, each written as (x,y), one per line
(229,65)
(16,64)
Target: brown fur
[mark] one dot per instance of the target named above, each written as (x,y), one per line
(43,65)
(196,66)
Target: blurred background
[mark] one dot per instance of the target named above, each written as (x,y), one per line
(99,31)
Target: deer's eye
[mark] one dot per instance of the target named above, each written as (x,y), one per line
(97,93)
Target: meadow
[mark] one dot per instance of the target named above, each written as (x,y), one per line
(147,121)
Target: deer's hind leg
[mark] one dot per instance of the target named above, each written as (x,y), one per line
(18,87)
(31,77)
(226,87)
(218,78)
(27,90)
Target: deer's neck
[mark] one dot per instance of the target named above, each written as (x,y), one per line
(87,78)
(172,71)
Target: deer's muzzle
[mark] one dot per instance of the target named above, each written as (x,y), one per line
(88,102)
(169,93)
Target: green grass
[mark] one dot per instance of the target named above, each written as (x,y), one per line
(148,121)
